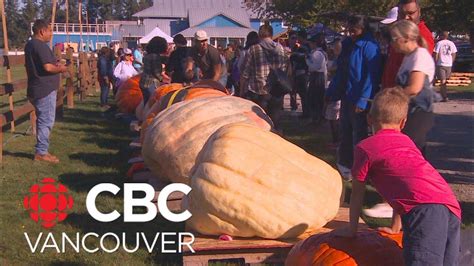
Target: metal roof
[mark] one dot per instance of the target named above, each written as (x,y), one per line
(200,15)
(132,30)
(215,32)
(163,24)
(180,8)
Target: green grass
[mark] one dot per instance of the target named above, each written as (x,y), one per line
(92,147)
(18,72)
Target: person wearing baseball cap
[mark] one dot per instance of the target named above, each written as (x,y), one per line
(205,57)
(125,70)
(392,16)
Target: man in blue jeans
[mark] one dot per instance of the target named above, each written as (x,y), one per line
(43,82)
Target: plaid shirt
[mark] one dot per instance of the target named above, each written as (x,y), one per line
(257,66)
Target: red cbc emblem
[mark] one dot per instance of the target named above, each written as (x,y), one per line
(48,202)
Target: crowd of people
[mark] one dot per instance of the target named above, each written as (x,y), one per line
(338,84)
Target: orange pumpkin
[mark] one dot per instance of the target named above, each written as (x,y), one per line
(370,247)
(129,95)
(142,113)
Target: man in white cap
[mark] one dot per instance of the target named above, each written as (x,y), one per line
(206,58)
(391,16)
(409,10)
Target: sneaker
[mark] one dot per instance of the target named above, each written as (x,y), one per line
(345,172)
(381,210)
(46,158)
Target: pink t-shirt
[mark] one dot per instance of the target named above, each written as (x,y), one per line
(397,169)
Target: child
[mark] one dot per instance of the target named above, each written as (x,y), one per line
(424,205)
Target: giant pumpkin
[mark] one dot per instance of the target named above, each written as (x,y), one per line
(175,96)
(368,248)
(177,134)
(250,182)
(129,95)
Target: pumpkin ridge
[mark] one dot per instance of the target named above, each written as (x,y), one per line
(224,135)
(272,212)
(241,217)
(285,157)
(211,209)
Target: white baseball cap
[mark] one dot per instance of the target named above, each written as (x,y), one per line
(200,35)
(127,51)
(391,16)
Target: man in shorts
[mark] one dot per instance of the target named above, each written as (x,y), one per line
(445,54)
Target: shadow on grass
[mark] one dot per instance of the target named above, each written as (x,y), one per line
(86,223)
(19,154)
(84,182)
(106,160)
(467,209)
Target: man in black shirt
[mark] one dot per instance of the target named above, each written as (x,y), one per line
(300,69)
(206,57)
(175,66)
(43,82)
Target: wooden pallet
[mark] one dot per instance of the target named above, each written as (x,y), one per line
(243,251)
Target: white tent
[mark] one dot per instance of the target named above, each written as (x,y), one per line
(156,32)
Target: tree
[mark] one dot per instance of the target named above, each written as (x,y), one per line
(29,13)
(455,15)
(13,25)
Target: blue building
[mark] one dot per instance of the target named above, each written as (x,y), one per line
(88,38)
(225,21)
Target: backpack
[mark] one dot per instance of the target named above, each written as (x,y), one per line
(278,80)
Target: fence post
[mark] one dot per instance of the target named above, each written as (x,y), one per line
(6,50)
(33,122)
(60,94)
(81,76)
(69,80)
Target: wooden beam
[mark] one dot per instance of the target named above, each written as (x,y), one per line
(6,50)
(10,116)
(13,60)
(11,87)
(52,23)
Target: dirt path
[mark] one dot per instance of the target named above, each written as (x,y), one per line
(450,142)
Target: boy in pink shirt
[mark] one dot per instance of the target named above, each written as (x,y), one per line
(424,204)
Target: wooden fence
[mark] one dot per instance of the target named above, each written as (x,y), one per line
(81,80)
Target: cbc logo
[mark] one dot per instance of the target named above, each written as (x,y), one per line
(48,202)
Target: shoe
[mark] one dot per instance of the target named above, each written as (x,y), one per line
(345,172)
(381,210)
(445,100)
(46,158)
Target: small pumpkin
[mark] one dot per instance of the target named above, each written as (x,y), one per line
(370,247)
(177,134)
(250,182)
(129,95)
